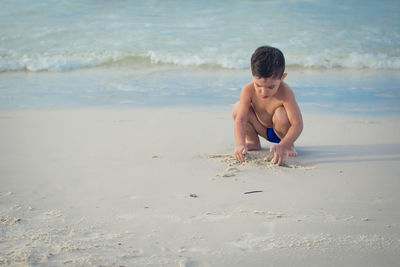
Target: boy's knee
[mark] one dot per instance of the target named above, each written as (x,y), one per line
(280,119)
(235,110)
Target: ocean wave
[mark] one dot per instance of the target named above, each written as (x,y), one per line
(352,60)
(72,61)
(57,62)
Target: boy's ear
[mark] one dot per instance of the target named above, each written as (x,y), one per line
(283,76)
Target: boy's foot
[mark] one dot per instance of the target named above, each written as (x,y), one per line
(292,152)
(251,146)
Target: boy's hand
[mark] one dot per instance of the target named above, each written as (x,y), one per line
(240,151)
(279,153)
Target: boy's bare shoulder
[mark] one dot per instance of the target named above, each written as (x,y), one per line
(248,87)
(285,92)
(247,90)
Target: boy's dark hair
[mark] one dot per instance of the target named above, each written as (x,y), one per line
(268,62)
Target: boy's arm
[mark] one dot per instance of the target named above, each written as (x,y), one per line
(241,123)
(296,121)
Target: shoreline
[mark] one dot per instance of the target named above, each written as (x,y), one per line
(331,91)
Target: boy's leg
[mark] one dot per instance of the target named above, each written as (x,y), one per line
(253,128)
(281,124)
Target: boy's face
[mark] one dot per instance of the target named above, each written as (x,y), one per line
(267,87)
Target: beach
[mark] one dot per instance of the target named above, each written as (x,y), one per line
(158,187)
(117,140)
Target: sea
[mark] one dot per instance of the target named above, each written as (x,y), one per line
(341,56)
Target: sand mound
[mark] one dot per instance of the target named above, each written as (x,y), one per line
(261,158)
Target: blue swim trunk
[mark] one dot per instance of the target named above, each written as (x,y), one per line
(271,136)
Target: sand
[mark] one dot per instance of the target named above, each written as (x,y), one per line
(159,187)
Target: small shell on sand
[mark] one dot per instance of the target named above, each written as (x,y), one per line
(225,174)
(258,212)
(274,215)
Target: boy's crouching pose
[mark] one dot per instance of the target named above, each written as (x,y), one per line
(267,107)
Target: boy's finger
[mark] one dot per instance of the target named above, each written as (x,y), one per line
(275,158)
(239,157)
(280,163)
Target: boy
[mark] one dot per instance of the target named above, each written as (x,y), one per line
(268,108)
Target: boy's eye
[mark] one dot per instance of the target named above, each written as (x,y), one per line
(271,87)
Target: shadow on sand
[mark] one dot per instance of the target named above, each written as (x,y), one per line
(349,153)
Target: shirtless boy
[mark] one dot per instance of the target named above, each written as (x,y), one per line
(268,108)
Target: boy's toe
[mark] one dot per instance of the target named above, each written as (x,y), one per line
(292,152)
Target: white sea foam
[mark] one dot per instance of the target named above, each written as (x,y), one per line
(65,62)
(57,62)
(352,60)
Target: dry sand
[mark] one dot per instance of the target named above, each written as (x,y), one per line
(158,187)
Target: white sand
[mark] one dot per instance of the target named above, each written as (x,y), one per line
(139,188)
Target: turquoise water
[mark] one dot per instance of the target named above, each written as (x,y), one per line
(64,35)
(135,53)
